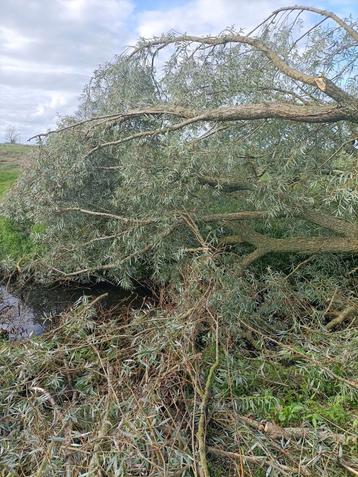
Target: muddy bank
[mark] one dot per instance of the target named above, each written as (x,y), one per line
(30,311)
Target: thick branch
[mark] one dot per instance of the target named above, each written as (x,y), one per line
(225,185)
(262,243)
(324,220)
(322,83)
(315,245)
(330,222)
(327,221)
(121,116)
(318,82)
(76,125)
(288,111)
(344,315)
(277,432)
(242,215)
(324,13)
(231,217)
(294,244)
(265,245)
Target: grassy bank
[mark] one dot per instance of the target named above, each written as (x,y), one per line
(13,158)
(8,176)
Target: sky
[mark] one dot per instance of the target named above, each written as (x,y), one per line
(49,48)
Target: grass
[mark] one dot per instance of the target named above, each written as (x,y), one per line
(15,154)
(12,243)
(13,157)
(7,178)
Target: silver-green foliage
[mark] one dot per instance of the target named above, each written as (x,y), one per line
(288,164)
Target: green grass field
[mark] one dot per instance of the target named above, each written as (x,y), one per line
(7,178)
(12,158)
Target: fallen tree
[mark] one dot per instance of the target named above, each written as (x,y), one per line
(223,172)
(258,126)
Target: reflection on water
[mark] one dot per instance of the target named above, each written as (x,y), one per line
(26,313)
(17,319)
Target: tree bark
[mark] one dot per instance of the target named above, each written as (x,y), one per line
(305,245)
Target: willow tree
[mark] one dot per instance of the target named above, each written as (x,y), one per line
(218,161)
(188,145)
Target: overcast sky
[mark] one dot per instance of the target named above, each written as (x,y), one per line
(49,48)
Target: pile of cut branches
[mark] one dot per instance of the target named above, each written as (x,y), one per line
(177,389)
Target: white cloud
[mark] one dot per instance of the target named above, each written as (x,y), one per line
(55,101)
(213,16)
(74,8)
(48,50)
(206,16)
(27,66)
(31,113)
(111,13)
(13,40)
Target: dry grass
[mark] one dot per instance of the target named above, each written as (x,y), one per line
(15,155)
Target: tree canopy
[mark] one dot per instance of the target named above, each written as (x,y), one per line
(188,143)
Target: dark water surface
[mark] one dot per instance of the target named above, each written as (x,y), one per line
(28,312)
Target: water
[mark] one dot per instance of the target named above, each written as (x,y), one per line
(17,320)
(29,312)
